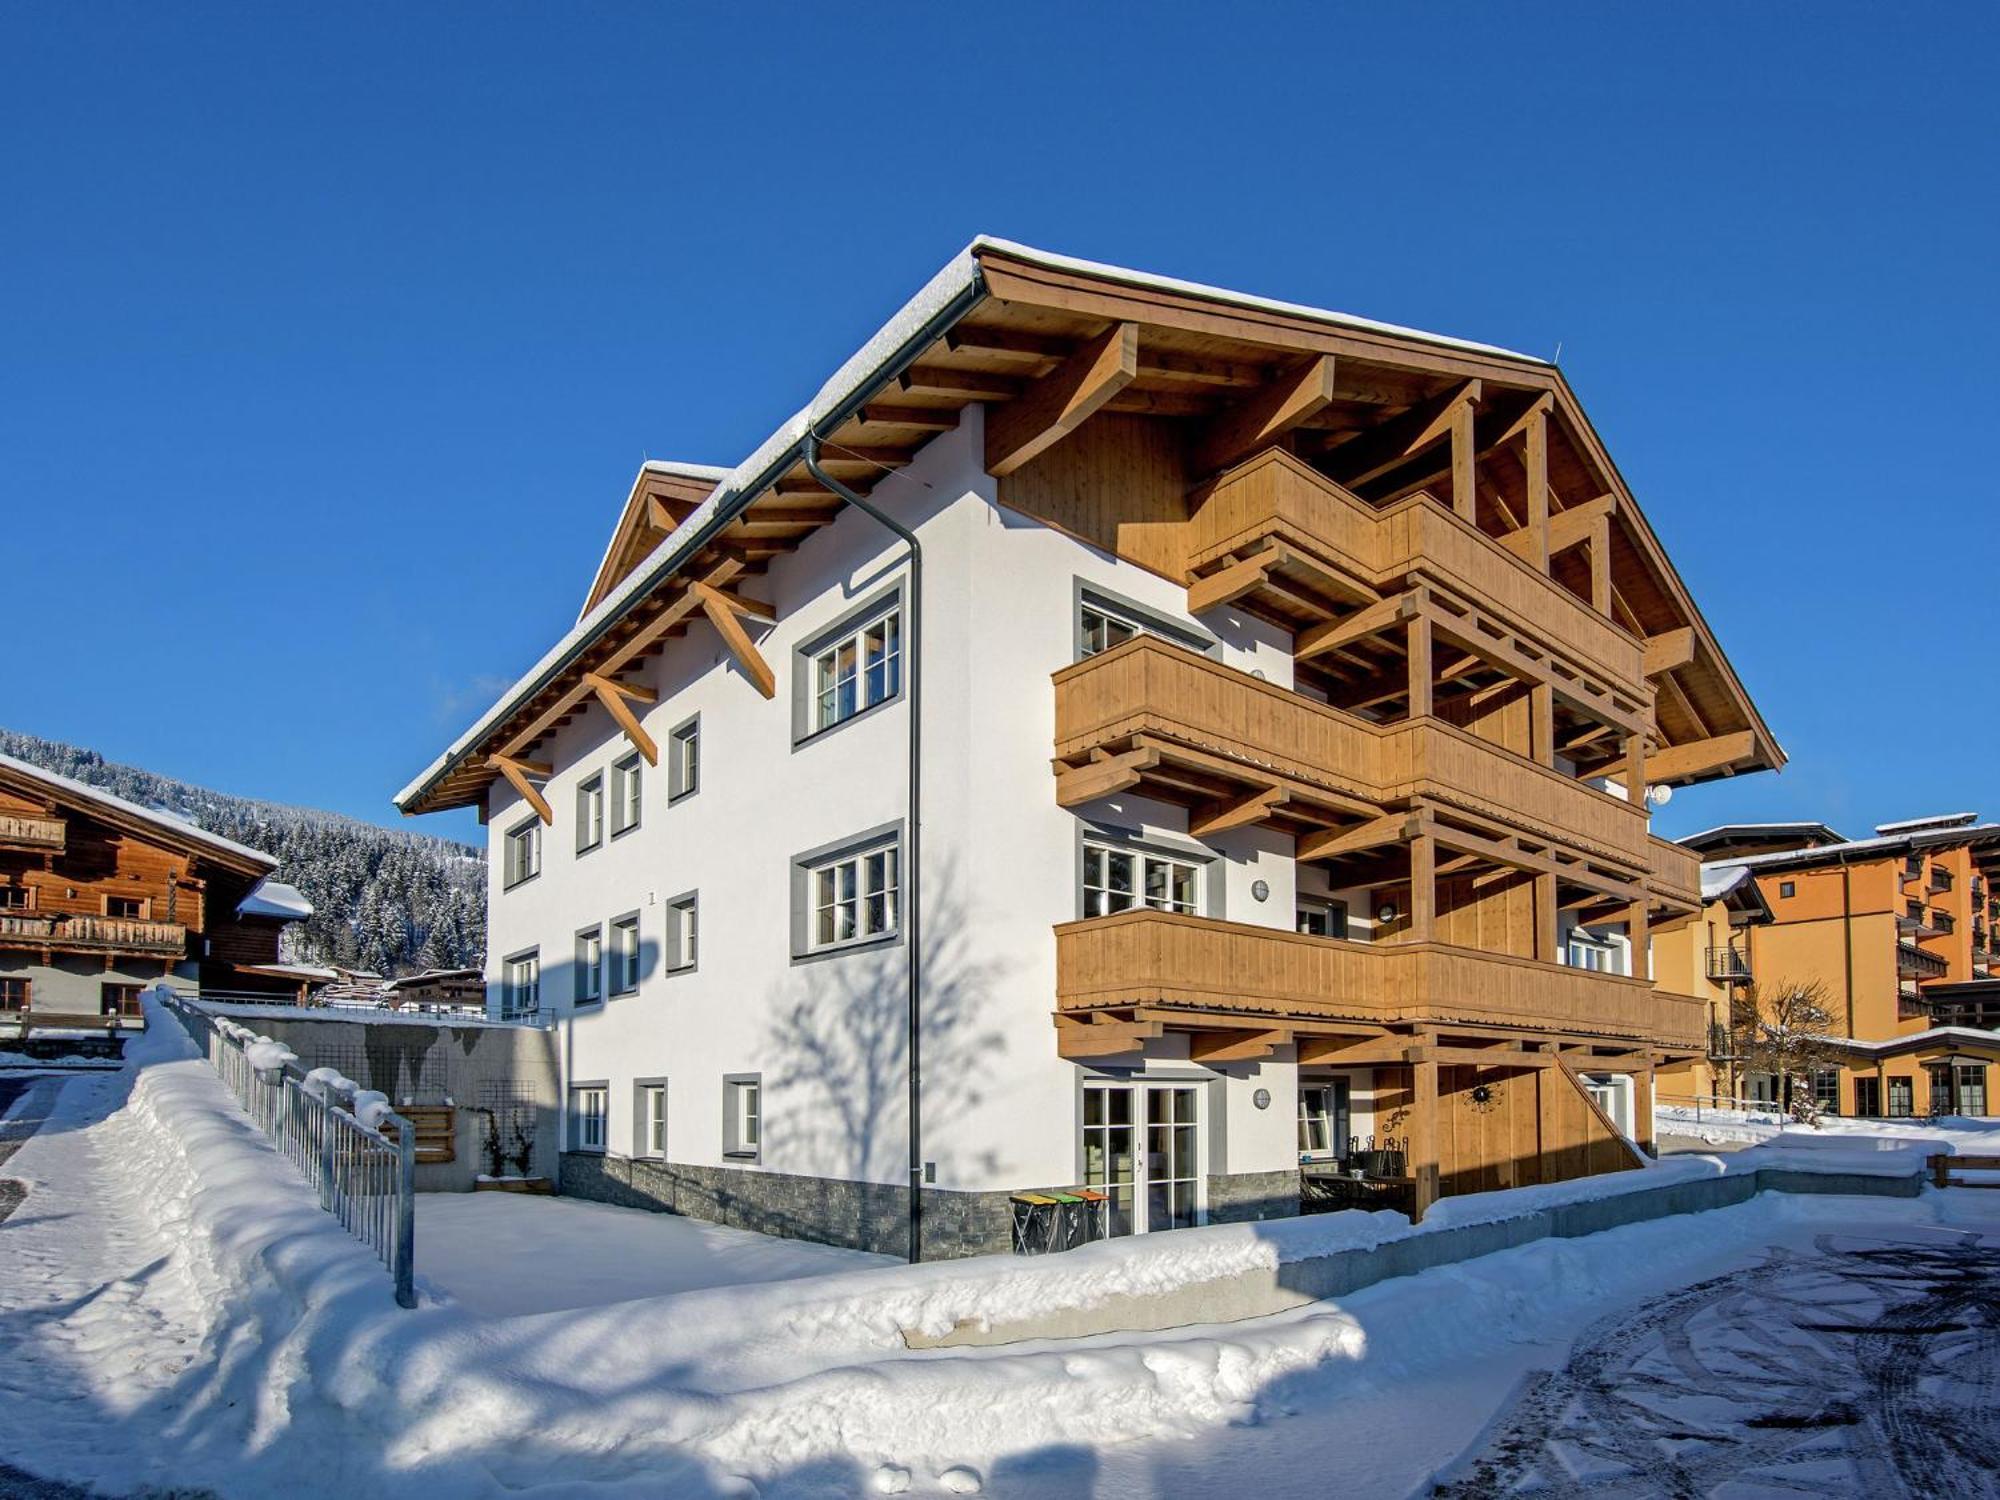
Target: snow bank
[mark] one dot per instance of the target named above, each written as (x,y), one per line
(298,1374)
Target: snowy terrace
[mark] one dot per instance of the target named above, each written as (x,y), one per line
(180,1312)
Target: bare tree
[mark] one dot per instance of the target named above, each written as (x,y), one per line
(1786,1029)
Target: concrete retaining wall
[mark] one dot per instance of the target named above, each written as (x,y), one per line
(1293,1284)
(501,1080)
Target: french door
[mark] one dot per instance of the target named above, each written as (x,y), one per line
(1141,1148)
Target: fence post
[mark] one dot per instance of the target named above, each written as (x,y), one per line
(325,1152)
(405,1259)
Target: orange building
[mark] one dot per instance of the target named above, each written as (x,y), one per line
(1897,929)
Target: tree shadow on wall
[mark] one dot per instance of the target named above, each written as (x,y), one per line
(839,1045)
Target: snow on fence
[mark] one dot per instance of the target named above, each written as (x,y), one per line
(330,1129)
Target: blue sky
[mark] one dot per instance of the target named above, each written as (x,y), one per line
(331,336)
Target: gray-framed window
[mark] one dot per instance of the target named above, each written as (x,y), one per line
(521,981)
(1320,917)
(589,1112)
(649,1118)
(848,895)
(524,852)
(851,668)
(627,794)
(590,965)
(624,955)
(1118,877)
(589,813)
(684,759)
(683,933)
(743,1116)
(1105,619)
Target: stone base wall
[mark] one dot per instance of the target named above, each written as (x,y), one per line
(869,1216)
(1248,1197)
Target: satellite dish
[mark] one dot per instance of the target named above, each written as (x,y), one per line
(1659,794)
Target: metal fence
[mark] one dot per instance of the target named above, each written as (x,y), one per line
(365,1176)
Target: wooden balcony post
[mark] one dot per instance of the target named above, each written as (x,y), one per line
(1423,1146)
(1545,918)
(1535,457)
(1542,724)
(1635,769)
(1642,1111)
(1600,566)
(1423,888)
(1420,667)
(1635,926)
(1464,450)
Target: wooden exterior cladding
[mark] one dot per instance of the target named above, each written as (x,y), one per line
(118,893)
(1163,960)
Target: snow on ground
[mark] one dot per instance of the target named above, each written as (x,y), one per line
(177,1311)
(507,1253)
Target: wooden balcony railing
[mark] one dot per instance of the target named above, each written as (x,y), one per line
(23,831)
(1161,958)
(1277,498)
(1676,875)
(1153,688)
(107,934)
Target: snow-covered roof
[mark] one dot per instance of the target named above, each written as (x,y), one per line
(1753,830)
(1921,838)
(958,281)
(273,898)
(174,825)
(1718,881)
(686,471)
(291,971)
(1914,825)
(1967,1034)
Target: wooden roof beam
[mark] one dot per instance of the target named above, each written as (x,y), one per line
(724,611)
(613,695)
(1221,816)
(1668,650)
(516,772)
(1261,420)
(1334,842)
(1235,1046)
(1118,773)
(1701,757)
(1063,400)
(1381,448)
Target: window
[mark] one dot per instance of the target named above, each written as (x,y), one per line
(523,979)
(14,994)
(683,923)
(1826,1090)
(743,1115)
(1323,1118)
(1118,879)
(16,897)
(1972,1088)
(684,760)
(625,795)
(1322,918)
(524,851)
(857,670)
(1104,620)
(1943,921)
(652,1121)
(1788,889)
(588,1105)
(625,955)
(590,813)
(590,966)
(120,1000)
(131,908)
(854,897)
(1586,952)
(1902,1098)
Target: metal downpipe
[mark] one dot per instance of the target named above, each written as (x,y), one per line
(912,872)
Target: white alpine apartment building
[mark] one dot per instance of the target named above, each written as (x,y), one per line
(1288,683)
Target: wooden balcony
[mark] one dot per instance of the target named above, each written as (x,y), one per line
(82,934)
(1179,714)
(1676,874)
(1147,958)
(1324,542)
(34,833)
